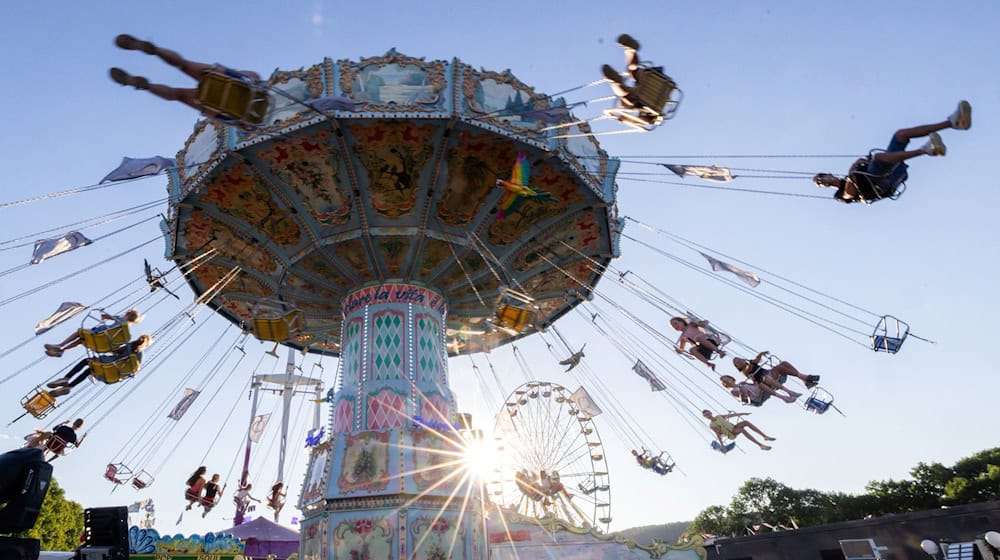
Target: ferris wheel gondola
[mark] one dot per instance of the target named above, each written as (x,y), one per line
(552,458)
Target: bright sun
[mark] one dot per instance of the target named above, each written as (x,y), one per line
(480,457)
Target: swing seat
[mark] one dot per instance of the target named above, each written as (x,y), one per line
(233,97)
(56,445)
(723,448)
(819,401)
(117,473)
(875,186)
(114,371)
(278,329)
(105,340)
(38,403)
(889,335)
(653,99)
(142,480)
(514,317)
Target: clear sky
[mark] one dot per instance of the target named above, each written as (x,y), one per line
(759,78)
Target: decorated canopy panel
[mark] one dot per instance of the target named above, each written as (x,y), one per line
(401,187)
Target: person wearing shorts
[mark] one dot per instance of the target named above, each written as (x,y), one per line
(888,167)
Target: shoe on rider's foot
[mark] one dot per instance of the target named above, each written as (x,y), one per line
(53,350)
(765,448)
(124,78)
(934,146)
(611,74)
(57,383)
(130,43)
(59,392)
(769,438)
(812,381)
(628,42)
(961,119)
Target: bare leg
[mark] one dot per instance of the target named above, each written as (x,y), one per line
(186,96)
(189,67)
(896,157)
(740,429)
(785,368)
(710,344)
(773,391)
(907,134)
(747,425)
(697,355)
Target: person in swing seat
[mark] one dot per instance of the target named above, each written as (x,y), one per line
(187,96)
(195,486)
(81,371)
(625,92)
(755,394)
(130,317)
(723,428)
(771,377)
(702,343)
(885,171)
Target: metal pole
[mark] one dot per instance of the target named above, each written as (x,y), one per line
(286,404)
(245,476)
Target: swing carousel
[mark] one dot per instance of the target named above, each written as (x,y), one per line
(381,235)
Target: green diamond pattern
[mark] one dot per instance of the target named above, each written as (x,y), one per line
(387,346)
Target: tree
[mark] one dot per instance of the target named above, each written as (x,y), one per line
(60,522)
(764,502)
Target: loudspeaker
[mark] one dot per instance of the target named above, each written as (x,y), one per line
(13,548)
(106,528)
(24,481)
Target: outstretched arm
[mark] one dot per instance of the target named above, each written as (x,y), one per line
(760,356)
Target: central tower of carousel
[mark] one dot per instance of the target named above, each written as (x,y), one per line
(365,212)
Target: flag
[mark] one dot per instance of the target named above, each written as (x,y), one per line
(644,372)
(258,425)
(505,424)
(46,248)
(549,115)
(67,310)
(581,398)
(749,278)
(333,103)
(186,401)
(132,168)
(712,173)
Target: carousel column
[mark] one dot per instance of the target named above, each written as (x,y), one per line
(386,485)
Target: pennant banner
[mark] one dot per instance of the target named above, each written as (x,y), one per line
(712,173)
(186,401)
(749,278)
(67,310)
(133,168)
(644,372)
(257,426)
(47,248)
(581,398)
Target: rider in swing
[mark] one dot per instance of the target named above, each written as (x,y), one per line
(196,70)
(884,171)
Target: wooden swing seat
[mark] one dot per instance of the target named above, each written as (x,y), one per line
(278,329)
(107,339)
(233,97)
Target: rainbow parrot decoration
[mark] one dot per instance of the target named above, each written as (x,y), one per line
(517,189)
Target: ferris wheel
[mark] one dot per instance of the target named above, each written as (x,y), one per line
(551,458)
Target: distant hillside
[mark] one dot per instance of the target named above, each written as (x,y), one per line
(666,532)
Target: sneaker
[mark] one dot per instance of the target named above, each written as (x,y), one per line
(53,350)
(59,392)
(122,77)
(961,119)
(812,381)
(765,448)
(130,43)
(628,42)
(56,383)
(934,146)
(611,74)
(769,439)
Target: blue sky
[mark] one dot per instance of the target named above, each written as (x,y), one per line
(759,78)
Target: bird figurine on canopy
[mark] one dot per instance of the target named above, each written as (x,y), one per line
(517,189)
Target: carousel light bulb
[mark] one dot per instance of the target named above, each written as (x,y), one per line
(929,546)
